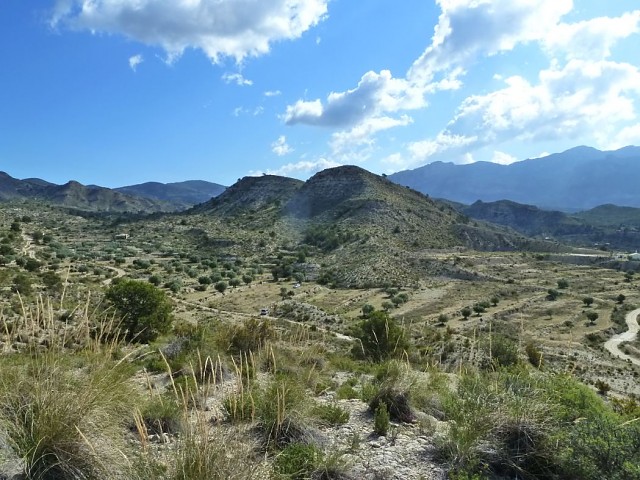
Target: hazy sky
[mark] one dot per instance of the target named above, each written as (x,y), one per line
(116,92)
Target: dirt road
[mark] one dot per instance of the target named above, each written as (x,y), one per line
(613,344)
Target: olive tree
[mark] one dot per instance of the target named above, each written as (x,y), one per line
(145,310)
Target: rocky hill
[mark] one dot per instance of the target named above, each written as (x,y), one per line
(578,179)
(357,219)
(527,219)
(181,195)
(252,194)
(606,225)
(77,196)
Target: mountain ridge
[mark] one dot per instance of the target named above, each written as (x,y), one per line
(577,179)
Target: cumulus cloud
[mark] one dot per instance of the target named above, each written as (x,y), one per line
(580,92)
(503,158)
(362,134)
(629,135)
(303,168)
(280,146)
(272,93)
(580,98)
(134,61)
(220,28)
(236,78)
(591,39)
(468,29)
(376,93)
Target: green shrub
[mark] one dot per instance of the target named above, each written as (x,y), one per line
(162,415)
(534,354)
(603,447)
(381,419)
(65,422)
(380,338)
(346,392)
(501,351)
(250,336)
(331,414)
(145,310)
(199,455)
(298,461)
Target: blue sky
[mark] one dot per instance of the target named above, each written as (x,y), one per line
(117,92)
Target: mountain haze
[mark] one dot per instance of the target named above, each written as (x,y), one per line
(577,179)
(181,195)
(75,195)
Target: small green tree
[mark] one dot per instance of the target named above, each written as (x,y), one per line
(465,312)
(592,317)
(381,419)
(145,309)
(495,301)
(563,283)
(22,284)
(367,309)
(587,301)
(620,298)
(221,286)
(387,305)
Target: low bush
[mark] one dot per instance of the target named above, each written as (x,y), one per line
(298,461)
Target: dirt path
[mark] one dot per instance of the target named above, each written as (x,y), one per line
(119,273)
(28,249)
(613,344)
(248,315)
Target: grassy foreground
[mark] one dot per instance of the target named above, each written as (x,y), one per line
(257,399)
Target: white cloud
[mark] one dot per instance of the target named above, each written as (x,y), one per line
(303,168)
(503,158)
(362,133)
(375,94)
(591,39)
(220,28)
(629,135)
(444,142)
(272,93)
(134,61)
(468,29)
(280,146)
(236,78)
(579,99)
(580,93)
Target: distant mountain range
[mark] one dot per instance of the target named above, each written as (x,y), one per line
(603,226)
(147,197)
(578,179)
(180,195)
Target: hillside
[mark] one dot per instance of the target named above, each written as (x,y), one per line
(77,196)
(251,194)
(605,225)
(577,179)
(181,195)
(472,352)
(357,219)
(527,219)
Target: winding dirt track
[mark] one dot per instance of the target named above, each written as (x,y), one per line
(613,344)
